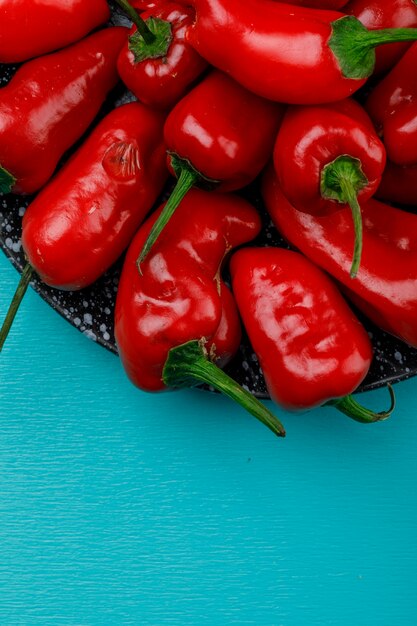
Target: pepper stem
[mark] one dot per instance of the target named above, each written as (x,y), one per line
(189,363)
(354,45)
(7,181)
(24,281)
(341,180)
(145,32)
(187,179)
(359,413)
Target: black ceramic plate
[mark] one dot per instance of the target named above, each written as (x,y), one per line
(91,310)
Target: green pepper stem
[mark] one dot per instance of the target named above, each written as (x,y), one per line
(7,181)
(15,303)
(186,180)
(147,35)
(350,407)
(354,45)
(189,364)
(341,180)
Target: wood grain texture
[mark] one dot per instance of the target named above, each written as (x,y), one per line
(118,507)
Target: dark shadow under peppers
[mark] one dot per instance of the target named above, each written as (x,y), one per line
(311,347)
(79,225)
(398,184)
(30,28)
(386,287)
(49,103)
(160,68)
(219,136)
(286,53)
(327,157)
(176,323)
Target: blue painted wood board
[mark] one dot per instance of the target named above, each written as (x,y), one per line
(123,508)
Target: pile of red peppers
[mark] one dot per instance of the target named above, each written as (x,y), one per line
(314,99)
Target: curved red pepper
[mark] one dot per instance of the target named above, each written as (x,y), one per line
(398,184)
(218,136)
(386,285)
(49,104)
(327,157)
(163,77)
(29,29)
(83,220)
(311,347)
(177,317)
(376,14)
(288,54)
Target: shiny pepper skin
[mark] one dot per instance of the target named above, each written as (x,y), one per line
(180,295)
(49,104)
(385,14)
(386,286)
(318,4)
(288,54)
(30,28)
(161,82)
(310,345)
(83,220)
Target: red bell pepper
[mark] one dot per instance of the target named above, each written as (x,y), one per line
(376,14)
(159,73)
(311,347)
(327,157)
(398,184)
(386,286)
(289,54)
(31,28)
(83,220)
(219,136)
(177,319)
(49,103)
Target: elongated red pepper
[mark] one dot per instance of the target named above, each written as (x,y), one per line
(49,104)
(177,319)
(219,136)
(289,54)
(318,4)
(327,157)
(31,28)
(377,14)
(398,184)
(160,72)
(83,220)
(386,287)
(311,347)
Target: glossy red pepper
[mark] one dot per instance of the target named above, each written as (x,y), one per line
(288,54)
(310,346)
(160,73)
(398,184)
(177,318)
(219,136)
(376,14)
(49,103)
(143,5)
(393,107)
(31,28)
(386,286)
(83,220)
(318,4)
(327,157)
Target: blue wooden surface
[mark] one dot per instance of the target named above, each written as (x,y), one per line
(118,507)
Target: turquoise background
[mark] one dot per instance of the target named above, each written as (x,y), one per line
(118,507)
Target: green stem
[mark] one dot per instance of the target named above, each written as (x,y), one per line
(359,413)
(354,45)
(7,181)
(352,200)
(147,35)
(341,180)
(25,279)
(187,179)
(188,364)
